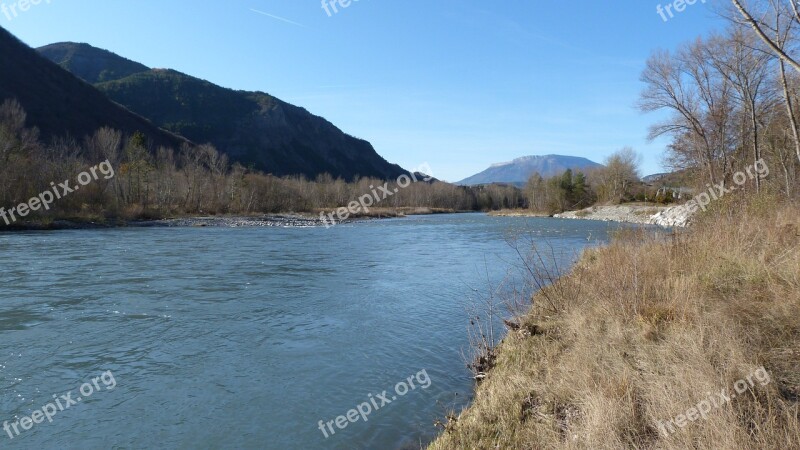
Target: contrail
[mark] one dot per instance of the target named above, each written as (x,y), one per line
(278,18)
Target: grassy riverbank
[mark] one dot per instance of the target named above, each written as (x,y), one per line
(644,330)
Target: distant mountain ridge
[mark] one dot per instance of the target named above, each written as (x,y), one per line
(518,171)
(252,128)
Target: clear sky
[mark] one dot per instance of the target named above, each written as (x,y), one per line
(457,84)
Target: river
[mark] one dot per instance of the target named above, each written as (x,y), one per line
(249,337)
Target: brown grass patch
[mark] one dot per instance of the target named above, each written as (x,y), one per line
(646,328)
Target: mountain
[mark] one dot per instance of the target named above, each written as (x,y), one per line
(519,170)
(59,104)
(252,128)
(91,64)
(656,177)
(679,178)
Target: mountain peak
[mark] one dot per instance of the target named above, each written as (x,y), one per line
(520,169)
(527,159)
(91,64)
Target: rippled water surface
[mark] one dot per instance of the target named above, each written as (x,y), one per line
(247,338)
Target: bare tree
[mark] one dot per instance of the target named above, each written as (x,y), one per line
(737,58)
(613,182)
(779,19)
(687,86)
(760,26)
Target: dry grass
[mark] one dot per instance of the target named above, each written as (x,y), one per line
(658,325)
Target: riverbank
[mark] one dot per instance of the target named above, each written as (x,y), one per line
(303,219)
(624,351)
(640,214)
(272,220)
(643,214)
(517,213)
(665,216)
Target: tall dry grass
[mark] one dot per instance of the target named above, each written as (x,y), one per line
(643,330)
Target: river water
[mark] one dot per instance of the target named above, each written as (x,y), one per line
(201,338)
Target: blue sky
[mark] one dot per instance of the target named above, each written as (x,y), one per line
(457,84)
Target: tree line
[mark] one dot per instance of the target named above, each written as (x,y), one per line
(616,182)
(193,180)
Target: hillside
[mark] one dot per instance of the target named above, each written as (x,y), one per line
(253,128)
(58,103)
(519,170)
(91,64)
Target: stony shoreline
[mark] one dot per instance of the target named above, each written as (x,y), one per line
(672,216)
(286,220)
(272,220)
(676,216)
(282,221)
(517,213)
